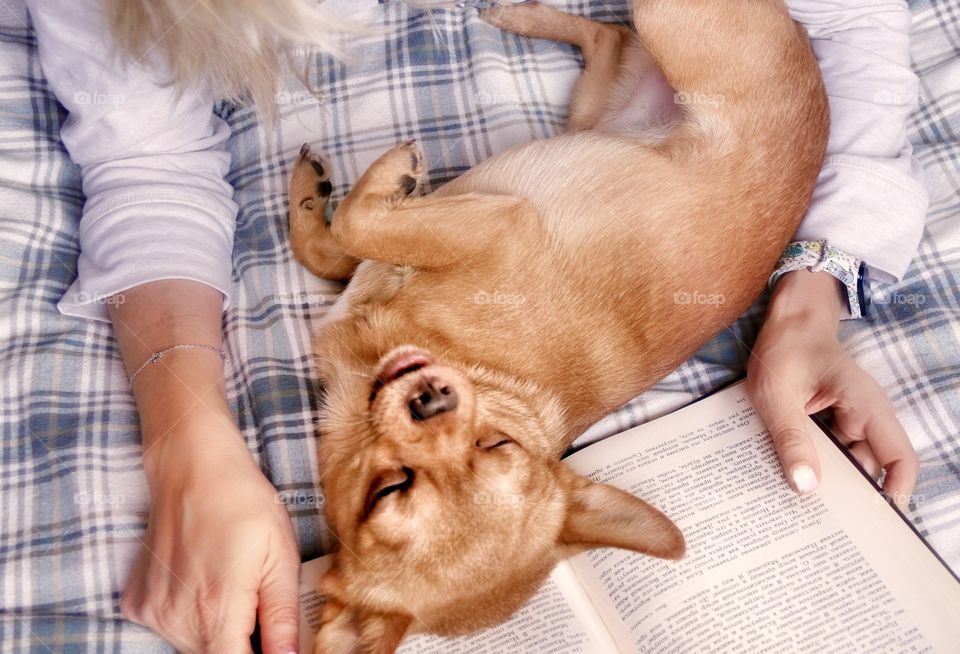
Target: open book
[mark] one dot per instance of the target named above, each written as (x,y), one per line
(839,571)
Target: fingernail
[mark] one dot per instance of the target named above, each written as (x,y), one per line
(804,478)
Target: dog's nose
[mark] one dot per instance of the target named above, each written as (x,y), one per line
(431,397)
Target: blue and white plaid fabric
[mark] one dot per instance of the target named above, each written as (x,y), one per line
(74,500)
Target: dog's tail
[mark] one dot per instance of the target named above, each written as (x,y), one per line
(746,79)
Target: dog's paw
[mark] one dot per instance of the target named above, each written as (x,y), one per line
(397,173)
(409,158)
(310,185)
(512,17)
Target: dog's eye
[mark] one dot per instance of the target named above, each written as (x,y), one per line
(493,440)
(307,204)
(392,481)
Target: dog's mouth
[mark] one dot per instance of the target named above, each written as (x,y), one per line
(397,365)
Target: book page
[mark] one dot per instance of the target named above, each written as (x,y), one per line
(765,570)
(558,619)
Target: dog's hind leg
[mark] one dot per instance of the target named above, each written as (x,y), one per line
(602,45)
(312,243)
(380,221)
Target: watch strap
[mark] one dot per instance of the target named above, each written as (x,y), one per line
(821,256)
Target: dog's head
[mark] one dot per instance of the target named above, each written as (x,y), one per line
(445,489)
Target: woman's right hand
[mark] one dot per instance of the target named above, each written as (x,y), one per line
(219,550)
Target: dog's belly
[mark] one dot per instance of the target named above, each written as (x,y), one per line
(595,193)
(642,104)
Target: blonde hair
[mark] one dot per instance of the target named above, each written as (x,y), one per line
(237,48)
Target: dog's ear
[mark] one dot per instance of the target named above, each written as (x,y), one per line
(346,629)
(599,515)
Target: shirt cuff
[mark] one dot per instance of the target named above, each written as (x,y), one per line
(145,240)
(869,211)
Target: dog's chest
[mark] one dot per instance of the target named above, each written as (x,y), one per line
(372,284)
(386,303)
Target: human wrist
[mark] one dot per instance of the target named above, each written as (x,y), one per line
(807,298)
(200,446)
(181,398)
(184,412)
(184,383)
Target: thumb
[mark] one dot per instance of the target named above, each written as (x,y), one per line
(279,607)
(782,411)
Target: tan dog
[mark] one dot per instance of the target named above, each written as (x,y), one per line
(446,415)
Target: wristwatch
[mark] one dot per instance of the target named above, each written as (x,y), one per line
(815,256)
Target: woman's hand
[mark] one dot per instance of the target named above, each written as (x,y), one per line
(219,550)
(798,367)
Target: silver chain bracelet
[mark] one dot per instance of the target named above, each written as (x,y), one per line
(156,356)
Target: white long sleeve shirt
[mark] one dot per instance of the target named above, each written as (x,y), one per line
(153,161)
(870,200)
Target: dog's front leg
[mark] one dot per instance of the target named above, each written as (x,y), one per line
(312,243)
(379,219)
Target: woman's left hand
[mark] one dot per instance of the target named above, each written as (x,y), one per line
(798,367)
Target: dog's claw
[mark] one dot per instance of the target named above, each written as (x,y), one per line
(411,180)
(316,161)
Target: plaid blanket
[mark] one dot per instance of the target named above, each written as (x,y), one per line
(72,492)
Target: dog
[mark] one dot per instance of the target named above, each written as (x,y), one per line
(691,152)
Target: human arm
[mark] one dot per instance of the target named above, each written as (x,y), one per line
(869,202)
(219,549)
(156,238)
